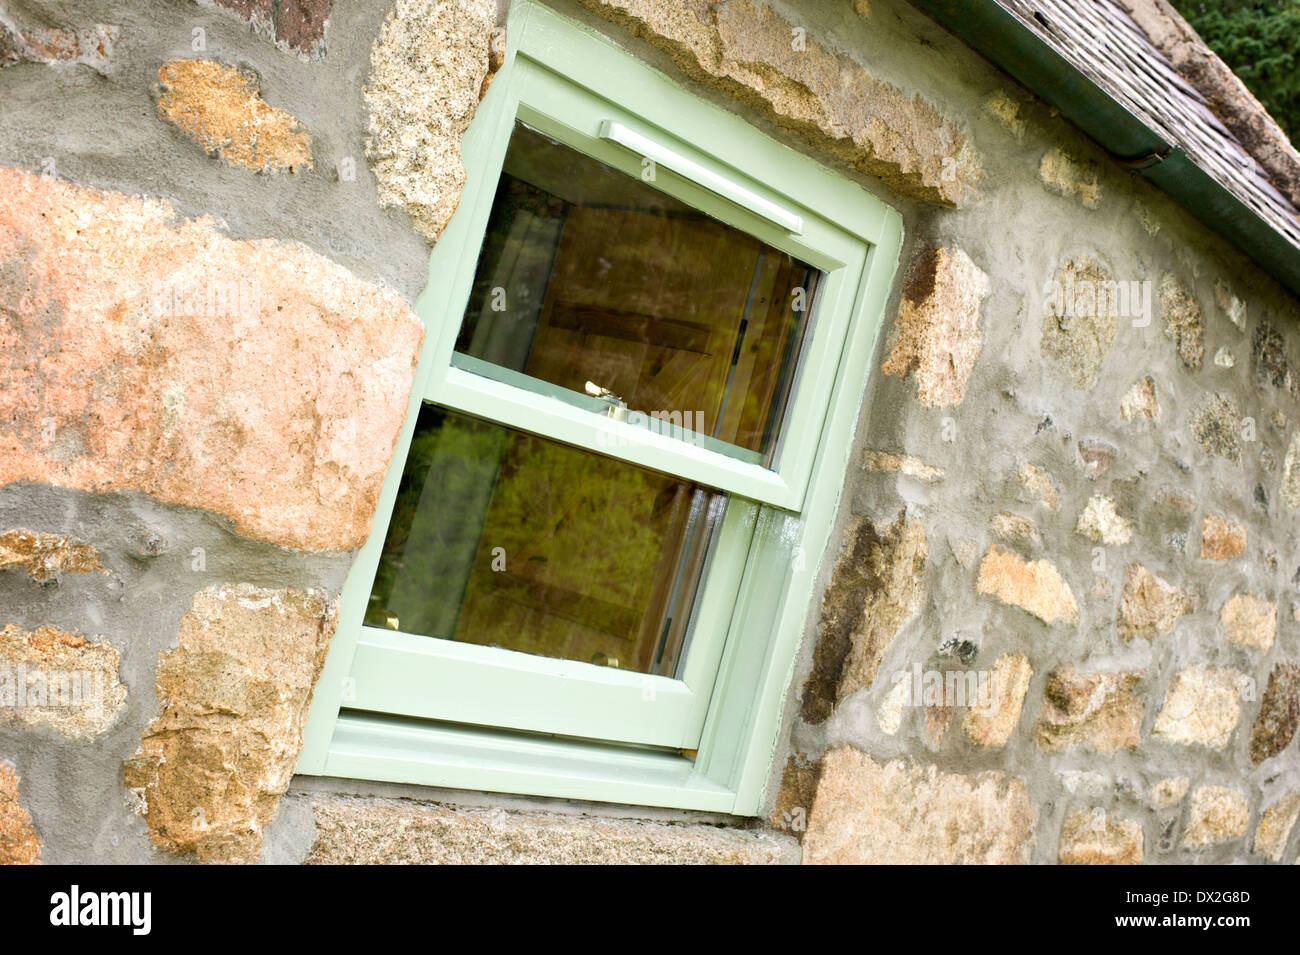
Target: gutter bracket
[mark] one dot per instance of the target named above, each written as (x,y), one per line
(1147,161)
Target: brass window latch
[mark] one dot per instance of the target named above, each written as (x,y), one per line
(617,406)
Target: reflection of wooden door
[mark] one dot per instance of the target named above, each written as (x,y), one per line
(646,306)
(673,314)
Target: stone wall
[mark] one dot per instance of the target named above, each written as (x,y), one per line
(207,344)
(1084,499)
(214,219)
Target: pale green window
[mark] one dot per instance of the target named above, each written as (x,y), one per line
(649,329)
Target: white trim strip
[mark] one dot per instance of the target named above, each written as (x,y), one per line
(616,132)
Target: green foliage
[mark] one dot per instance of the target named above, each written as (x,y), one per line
(433,538)
(1260,41)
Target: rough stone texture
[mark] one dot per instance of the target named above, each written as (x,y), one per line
(794,798)
(1064,174)
(1140,401)
(1080,319)
(1035,586)
(78,123)
(143,354)
(1202,707)
(1102,523)
(890,712)
(1006,111)
(937,720)
(1221,538)
(52,678)
(1095,458)
(1150,223)
(1275,825)
(895,812)
(887,462)
(938,332)
(1038,486)
(19,844)
(1182,320)
(1215,814)
(1291,475)
(1175,500)
(369,831)
(47,557)
(1250,621)
(1233,307)
(1017,407)
(212,767)
(221,109)
(1090,837)
(89,46)
(1133,425)
(877,585)
(1014,527)
(1098,711)
(744,49)
(1168,792)
(1269,351)
(994,724)
(1216,425)
(294,25)
(1279,713)
(966,550)
(427,68)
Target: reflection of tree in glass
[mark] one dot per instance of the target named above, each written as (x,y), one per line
(584,522)
(583,535)
(582,538)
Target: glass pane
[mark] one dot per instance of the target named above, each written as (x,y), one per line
(505,539)
(598,283)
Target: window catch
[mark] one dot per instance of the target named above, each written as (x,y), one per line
(617,406)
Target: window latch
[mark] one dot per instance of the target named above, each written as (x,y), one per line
(720,185)
(617,406)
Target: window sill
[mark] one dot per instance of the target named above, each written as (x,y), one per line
(366,746)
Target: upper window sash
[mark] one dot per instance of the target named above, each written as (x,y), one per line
(576,116)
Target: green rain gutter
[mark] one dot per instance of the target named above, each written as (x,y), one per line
(1006,41)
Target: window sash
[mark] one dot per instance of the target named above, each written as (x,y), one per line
(598,406)
(426,677)
(772,604)
(574,116)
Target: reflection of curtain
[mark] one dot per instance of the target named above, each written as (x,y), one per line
(523,269)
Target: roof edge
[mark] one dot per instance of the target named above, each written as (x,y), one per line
(1228,97)
(997,34)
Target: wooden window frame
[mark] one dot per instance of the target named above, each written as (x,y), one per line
(404,708)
